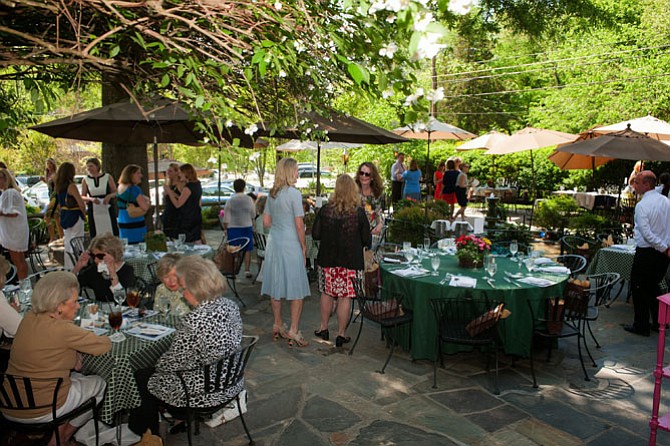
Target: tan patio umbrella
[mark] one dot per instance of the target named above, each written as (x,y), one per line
(487,141)
(648,125)
(529,139)
(574,161)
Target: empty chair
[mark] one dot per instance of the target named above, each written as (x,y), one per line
(260,242)
(573,244)
(467,321)
(79,245)
(16,394)
(223,374)
(35,277)
(229,261)
(574,262)
(389,314)
(37,235)
(601,290)
(560,317)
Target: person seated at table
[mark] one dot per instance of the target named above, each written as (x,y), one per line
(55,352)
(343,228)
(212,330)
(168,293)
(9,316)
(102,268)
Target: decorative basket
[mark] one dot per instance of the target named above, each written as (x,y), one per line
(465,262)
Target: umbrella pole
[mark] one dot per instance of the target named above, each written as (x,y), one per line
(156,219)
(219,175)
(318,168)
(532,171)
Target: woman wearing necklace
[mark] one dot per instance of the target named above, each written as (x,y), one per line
(371,187)
(97,190)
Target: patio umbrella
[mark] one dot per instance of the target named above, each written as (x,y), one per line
(295,145)
(338,128)
(574,161)
(487,141)
(529,139)
(649,125)
(155,120)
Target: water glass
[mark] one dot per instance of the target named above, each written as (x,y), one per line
(514,248)
(182,239)
(530,264)
(435,264)
(406,246)
(426,243)
(124,242)
(119,296)
(25,292)
(143,247)
(491,266)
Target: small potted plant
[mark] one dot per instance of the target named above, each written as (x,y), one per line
(471,249)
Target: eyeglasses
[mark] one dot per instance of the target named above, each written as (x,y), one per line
(365,174)
(99,256)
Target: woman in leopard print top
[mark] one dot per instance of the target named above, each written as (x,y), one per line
(212,329)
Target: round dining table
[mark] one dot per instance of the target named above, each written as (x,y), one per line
(140,260)
(515,330)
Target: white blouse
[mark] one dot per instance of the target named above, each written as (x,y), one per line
(13,230)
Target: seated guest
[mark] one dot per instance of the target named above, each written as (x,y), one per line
(9,317)
(102,268)
(213,329)
(55,352)
(168,293)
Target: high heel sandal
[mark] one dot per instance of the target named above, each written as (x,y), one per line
(341,340)
(296,339)
(323,334)
(278,331)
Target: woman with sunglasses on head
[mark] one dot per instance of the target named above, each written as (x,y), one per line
(102,268)
(371,187)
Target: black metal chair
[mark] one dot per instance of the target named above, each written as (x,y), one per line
(467,321)
(573,244)
(37,235)
(35,277)
(389,314)
(79,245)
(574,262)
(223,374)
(230,263)
(601,294)
(16,393)
(153,283)
(561,317)
(11,274)
(260,244)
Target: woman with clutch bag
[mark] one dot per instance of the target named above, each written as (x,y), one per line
(343,228)
(133,205)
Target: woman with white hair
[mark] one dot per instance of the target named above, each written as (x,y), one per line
(55,352)
(13,223)
(284,273)
(212,330)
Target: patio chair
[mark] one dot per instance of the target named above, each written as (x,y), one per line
(221,375)
(154,280)
(467,321)
(10,277)
(573,244)
(558,318)
(575,263)
(16,393)
(260,243)
(230,263)
(389,314)
(35,277)
(37,234)
(601,290)
(79,245)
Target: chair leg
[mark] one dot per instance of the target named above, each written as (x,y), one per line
(189,422)
(260,263)
(583,336)
(233,286)
(532,365)
(496,389)
(360,329)
(588,324)
(96,414)
(581,358)
(244,423)
(388,358)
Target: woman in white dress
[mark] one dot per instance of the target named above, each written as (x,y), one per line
(13,223)
(98,191)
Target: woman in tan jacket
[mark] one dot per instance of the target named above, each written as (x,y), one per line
(55,352)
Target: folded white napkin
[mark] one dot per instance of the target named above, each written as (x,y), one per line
(463,281)
(201,247)
(411,272)
(391,260)
(623,247)
(536,281)
(543,261)
(555,269)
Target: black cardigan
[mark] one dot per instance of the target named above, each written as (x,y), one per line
(342,238)
(90,277)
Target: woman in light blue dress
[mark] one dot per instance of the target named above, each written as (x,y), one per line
(284,274)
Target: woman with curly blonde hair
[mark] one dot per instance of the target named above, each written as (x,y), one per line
(284,274)
(343,228)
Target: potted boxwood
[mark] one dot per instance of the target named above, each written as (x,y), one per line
(554,214)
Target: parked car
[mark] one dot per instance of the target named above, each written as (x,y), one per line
(210,194)
(256,189)
(307,176)
(37,195)
(28,180)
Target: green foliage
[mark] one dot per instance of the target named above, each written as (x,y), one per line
(555,212)
(588,225)
(409,224)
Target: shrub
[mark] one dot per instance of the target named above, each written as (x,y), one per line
(554,213)
(409,224)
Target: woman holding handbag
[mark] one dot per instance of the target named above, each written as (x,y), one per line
(133,205)
(72,210)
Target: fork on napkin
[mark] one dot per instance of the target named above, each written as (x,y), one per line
(411,272)
(554,269)
(463,281)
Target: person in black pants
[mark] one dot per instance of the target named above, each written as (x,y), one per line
(652,236)
(397,180)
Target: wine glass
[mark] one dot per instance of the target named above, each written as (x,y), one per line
(491,266)
(115,318)
(530,264)
(119,296)
(406,246)
(514,249)
(409,255)
(181,239)
(25,292)
(435,264)
(426,243)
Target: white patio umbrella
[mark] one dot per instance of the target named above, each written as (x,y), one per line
(295,145)
(648,125)
(487,141)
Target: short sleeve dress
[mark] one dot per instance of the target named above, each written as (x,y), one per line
(130,228)
(284,273)
(170,216)
(13,230)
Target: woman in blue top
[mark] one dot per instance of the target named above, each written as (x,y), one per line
(412,187)
(129,193)
(284,274)
(72,210)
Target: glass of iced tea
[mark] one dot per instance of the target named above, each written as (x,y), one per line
(132,297)
(115,318)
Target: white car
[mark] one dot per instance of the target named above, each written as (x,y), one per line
(37,195)
(307,177)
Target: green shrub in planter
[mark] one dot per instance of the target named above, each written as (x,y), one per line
(588,225)
(554,213)
(408,224)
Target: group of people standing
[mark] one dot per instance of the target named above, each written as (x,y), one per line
(344,226)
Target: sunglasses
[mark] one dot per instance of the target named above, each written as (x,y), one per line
(365,174)
(99,256)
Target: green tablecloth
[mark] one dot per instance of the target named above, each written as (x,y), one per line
(118,365)
(516,330)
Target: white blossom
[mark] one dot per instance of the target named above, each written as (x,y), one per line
(428,46)
(391,18)
(282,73)
(299,46)
(422,23)
(387,93)
(461,7)
(411,99)
(229,123)
(435,95)
(278,6)
(253,128)
(389,50)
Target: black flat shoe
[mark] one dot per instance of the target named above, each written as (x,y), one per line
(633,329)
(323,334)
(341,340)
